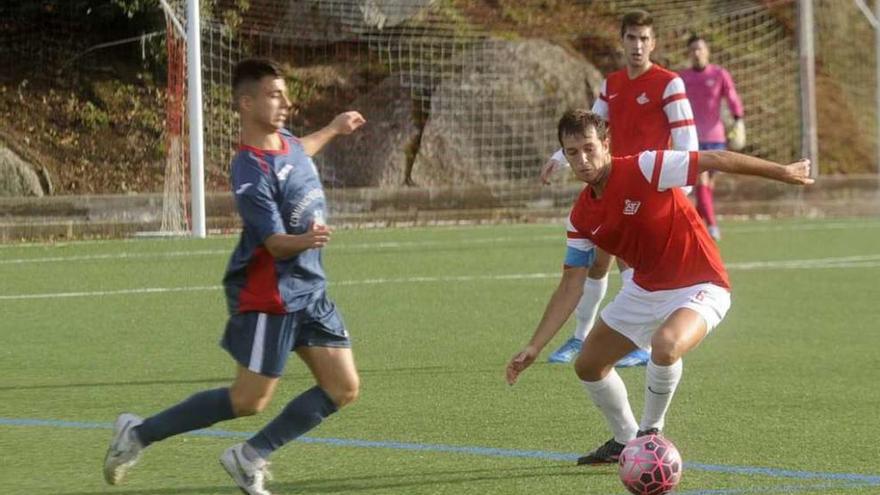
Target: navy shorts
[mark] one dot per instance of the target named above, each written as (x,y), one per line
(262,342)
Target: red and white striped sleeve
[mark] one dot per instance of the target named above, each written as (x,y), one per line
(600,106)
(669,168)
(680,116)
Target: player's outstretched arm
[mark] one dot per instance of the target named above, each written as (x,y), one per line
(563,301)
(797,173)
(282,246)
(344,123)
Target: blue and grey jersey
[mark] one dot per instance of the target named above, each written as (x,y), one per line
(276,192)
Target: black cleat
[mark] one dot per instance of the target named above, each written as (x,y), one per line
(608,453)
(649,431)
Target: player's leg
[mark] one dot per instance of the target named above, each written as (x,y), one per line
(335,373)
(253,340)
(249,394)
(705,195)
(693,313)
(321,341)
(680,333)
(625,323)
(714,229)
(595,288)
(257,342)
(639,356)
(245,466)
(706,204)
(595,368)
(337,386)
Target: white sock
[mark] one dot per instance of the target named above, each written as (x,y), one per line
(660,384)
(609,395)
(594,292)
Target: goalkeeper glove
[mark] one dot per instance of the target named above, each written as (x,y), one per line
(736,137)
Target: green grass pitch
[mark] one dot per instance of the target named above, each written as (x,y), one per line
(782,398)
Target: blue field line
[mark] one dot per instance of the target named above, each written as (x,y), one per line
(784,473)
(775,489)
(854,479)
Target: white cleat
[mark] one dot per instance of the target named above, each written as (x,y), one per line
(248,475)
(124,450)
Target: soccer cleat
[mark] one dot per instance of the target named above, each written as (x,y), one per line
(608,453)
(567,352)
(638,357)
(248,475)
(649,431)
(124,450)
(715,232)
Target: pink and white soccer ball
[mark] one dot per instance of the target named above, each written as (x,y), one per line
(650,465)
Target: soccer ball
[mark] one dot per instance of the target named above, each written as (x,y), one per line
(650,465)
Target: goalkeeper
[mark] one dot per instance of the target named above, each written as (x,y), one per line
(706,85)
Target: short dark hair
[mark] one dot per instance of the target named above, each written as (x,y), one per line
(695,37)
(636,18)
(251,70)
(576,123)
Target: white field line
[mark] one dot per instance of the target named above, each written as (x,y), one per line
(733,229)
(867,261)
(407,244)
(115,256)
(228,251)
(769,227)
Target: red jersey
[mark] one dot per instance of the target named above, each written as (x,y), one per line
(647,221)
(646,113)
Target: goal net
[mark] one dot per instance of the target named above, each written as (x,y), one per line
(175,219)
(462,97)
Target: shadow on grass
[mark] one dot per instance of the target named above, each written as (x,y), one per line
(377,483)
(414,370)
(127,383)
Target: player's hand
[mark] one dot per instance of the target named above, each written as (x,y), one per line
(736,138)
(797,173)
(519,363)
(317,236)
(548,169)
(347,122)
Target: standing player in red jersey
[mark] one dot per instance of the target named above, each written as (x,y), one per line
(646,109)
(633,207)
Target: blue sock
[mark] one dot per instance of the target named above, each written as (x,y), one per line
(199,411)
(299,416)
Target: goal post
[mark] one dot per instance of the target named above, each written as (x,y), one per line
(183,213)
(196,131)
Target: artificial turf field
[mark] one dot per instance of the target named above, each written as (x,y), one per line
(782,398)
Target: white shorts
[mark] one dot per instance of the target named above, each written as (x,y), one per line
(636,313)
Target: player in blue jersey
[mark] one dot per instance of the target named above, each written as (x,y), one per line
(275,289)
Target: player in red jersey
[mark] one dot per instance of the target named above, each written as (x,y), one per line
(633,208)
(646,109)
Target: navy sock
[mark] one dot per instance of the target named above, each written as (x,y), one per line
(299,416)
(201,410)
